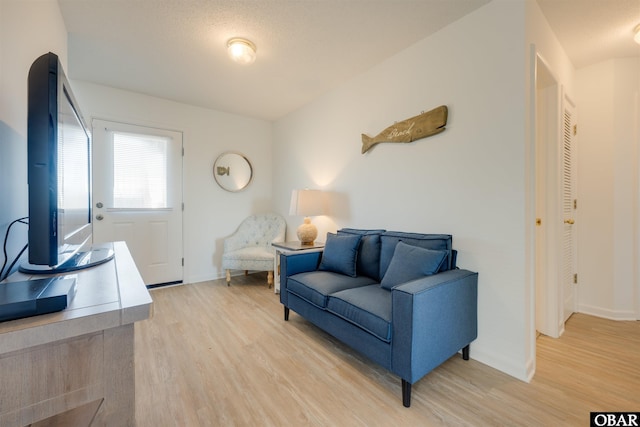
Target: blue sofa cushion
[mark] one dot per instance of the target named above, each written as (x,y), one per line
(389,240)
(367,307)
(316,286)
(368,260)
(410,263)
(340,253)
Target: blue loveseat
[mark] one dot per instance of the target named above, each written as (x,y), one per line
(397,298)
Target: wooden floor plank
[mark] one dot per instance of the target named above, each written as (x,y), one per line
(213,355)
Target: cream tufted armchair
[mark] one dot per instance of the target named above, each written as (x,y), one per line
(249,248)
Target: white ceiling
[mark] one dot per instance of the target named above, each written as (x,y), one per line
(176,49)
(594,30)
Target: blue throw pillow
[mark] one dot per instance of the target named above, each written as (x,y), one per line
(368,262)
(340,254)
(410,263)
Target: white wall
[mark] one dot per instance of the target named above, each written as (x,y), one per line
(608,177)
(28,29)
(211,213)
(545,43)
(467,181)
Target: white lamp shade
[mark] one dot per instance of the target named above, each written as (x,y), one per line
(307,203)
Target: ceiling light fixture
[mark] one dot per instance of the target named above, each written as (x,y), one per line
(637,36)
(241,51)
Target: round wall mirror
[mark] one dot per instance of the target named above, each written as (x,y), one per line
(232,171)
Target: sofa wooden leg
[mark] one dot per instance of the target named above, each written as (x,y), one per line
(465,352)
(228,277)
(406,394)
(286,313)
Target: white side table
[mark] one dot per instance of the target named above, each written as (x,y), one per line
(290,247)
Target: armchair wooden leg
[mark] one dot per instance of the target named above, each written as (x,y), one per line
(270,278)
(228,277)
(286,313)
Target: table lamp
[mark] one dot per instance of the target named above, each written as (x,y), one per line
(307,203)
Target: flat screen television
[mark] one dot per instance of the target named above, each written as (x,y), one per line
(59,175)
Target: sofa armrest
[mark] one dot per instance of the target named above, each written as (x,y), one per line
(433,318)
(294,263)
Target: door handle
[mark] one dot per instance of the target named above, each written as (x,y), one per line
(99,217)
(569,221)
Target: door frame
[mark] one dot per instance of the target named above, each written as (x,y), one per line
(546,198)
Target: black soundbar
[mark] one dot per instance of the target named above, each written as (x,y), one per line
(35,297)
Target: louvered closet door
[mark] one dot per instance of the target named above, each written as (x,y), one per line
(569,205)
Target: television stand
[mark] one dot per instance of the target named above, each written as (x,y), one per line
(76,366)
(98,254)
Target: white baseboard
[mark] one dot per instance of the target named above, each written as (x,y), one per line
(523,373)
(607,313)
(222,275)
(198,279)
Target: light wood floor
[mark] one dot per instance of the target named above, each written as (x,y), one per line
(214,355)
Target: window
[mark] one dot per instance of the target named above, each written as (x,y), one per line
(139,171)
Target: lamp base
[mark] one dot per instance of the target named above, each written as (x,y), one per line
(307,232)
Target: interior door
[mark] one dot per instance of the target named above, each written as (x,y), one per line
(547,200)
(569,207)
(137,195)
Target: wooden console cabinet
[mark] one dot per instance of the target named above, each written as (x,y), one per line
(76,367)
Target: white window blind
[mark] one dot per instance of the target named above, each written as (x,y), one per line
(139,171)
(73,175)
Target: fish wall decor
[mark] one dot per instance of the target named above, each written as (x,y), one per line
(421,126)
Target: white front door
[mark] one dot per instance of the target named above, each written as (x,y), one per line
(569,205)
(137,195)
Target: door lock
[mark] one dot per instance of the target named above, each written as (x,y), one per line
(99,205)
(99,217)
